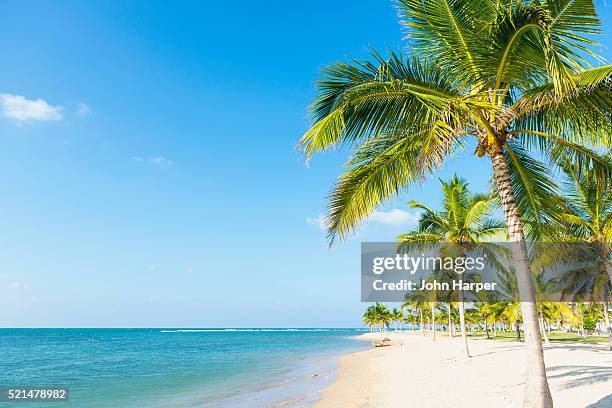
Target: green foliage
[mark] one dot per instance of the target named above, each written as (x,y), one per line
(589,322)
(465,218)
(511,76)
(378,315)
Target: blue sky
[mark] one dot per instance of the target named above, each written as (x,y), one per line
(149,176)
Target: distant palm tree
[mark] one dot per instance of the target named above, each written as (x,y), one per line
(416,306)
(446,313)
(506,75)
(588,218)
(397,316)
(426,302)
(464,219)
(378,316)
(486,306)
(369,318)
(512,311)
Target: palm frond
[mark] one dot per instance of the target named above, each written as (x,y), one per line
(359,100)
(379,169)
(583,116)
(533,189)
(448,31)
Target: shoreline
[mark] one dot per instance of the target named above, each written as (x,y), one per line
(438,375)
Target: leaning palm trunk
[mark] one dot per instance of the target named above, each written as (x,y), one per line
(462,324)
(537,392)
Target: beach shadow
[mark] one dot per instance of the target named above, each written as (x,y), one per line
(605,402)
(576,376)
(499,350)
(595,348)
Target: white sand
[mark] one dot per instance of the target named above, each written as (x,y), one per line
(417,372)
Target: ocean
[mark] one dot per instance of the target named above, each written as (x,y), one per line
(165,368)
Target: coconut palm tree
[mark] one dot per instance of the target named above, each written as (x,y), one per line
(369,318)
(397,316)
(446,314)
(588,218)
(427,303)
(416,306)
(464,219)
(504,77)
(486,307)
(378,315)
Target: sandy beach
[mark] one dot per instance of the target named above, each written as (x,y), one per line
(435,374)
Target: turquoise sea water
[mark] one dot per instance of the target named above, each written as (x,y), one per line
(174,367)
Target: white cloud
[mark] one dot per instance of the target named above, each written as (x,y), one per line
(394,217)
(158,161)
(15,284)
(83,109)
(318,221)
(161,162)
(23,110)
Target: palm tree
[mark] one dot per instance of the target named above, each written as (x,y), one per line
(446,313)
(369,318)
(416,306)
(588,218)
(423,300)
(377,315)
(464,219)
(410,317)
(509,76)
(487,307)
(397,316)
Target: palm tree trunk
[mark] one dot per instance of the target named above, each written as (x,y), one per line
(450,322)
(517,325)
(543,330)
(433,320)
(537,392)
(462,323)
(422,323)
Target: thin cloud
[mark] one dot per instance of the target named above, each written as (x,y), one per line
(83,109)
(394,217)
(318,221)
(158,161)
(24,110)
(161,162)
